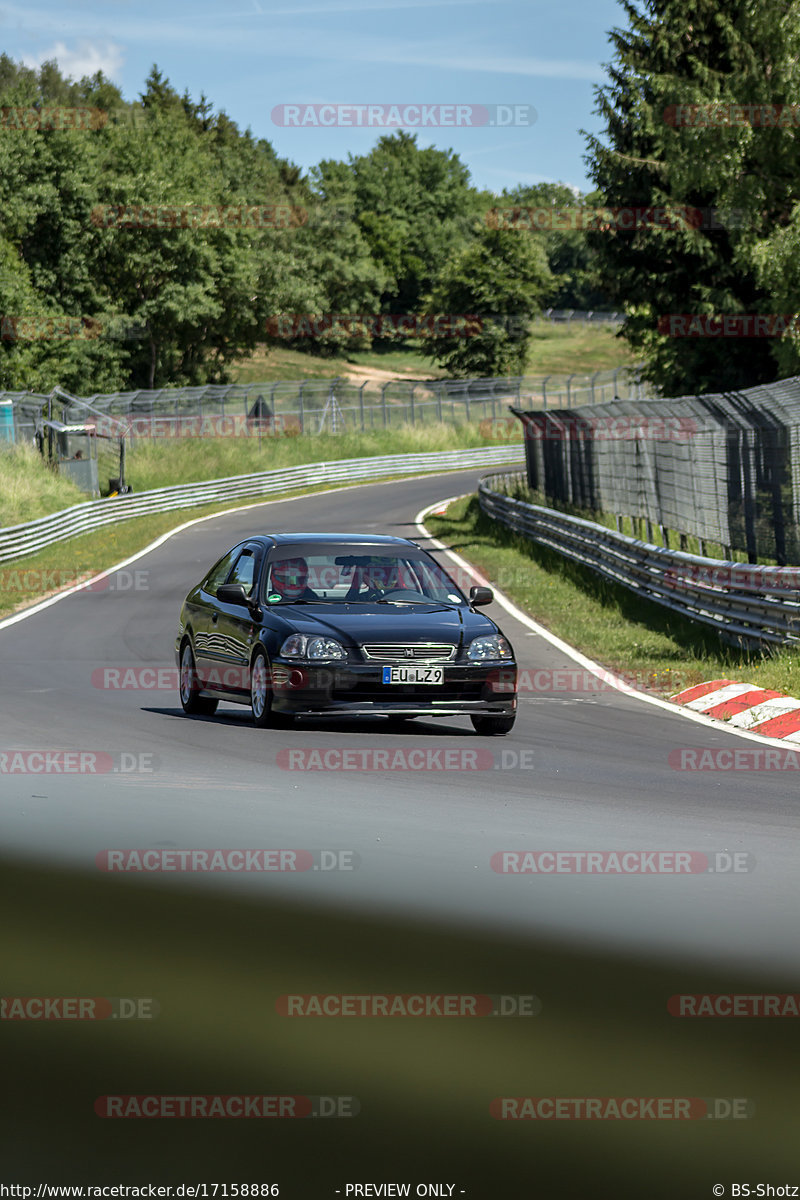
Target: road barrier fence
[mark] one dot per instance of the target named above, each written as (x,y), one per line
(745,604)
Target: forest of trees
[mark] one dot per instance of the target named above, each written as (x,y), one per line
(401,230)
(123,305)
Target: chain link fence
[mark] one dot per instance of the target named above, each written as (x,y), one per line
(314,406)
(723,468)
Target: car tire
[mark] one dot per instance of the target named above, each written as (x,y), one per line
(493,726)
(192,703)
(261,696)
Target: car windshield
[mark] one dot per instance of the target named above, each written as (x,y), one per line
(350,575)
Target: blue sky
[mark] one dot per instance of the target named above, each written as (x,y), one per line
(253,55)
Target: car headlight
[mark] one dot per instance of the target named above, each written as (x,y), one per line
(317,648)
(489,649)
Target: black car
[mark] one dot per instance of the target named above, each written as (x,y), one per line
(342,624)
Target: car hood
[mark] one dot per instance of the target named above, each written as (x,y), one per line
(369,622)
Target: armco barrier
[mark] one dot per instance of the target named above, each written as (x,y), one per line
(21,540)
(742,602)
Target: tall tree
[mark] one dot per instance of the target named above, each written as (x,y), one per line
(668,59)
(499,279)
(561,217)
(415,207)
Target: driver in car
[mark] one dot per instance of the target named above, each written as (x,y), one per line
(289,578)
(376,578)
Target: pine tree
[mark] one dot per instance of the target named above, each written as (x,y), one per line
(742,177)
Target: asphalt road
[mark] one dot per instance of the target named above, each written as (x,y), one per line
(582,770)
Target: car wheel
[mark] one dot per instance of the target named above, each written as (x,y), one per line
(193,704)
(493,726)
(261,695)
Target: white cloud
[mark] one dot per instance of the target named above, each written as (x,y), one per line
(214,30)
(87,58)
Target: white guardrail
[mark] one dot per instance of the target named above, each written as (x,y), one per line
(17,541)
(741,601)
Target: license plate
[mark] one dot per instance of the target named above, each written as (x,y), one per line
(413,675)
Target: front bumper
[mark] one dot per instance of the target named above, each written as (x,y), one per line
(357,690)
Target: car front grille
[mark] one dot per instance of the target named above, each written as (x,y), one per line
(398,652)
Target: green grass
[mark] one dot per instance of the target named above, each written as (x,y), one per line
(582,348)
(29,489)
(268,364)
(661,651)
(558,349)
(160,462)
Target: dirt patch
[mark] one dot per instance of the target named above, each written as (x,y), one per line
(356,374)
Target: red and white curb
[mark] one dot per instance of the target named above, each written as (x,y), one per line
(744,706)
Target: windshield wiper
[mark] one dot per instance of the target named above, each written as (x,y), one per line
(395,600)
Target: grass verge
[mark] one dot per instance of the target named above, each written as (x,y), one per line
(162,461)
(659,650)
(29,489)
(554,349)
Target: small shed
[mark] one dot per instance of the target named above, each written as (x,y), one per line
(74,449)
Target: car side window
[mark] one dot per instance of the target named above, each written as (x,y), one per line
(218,574)
(245,570)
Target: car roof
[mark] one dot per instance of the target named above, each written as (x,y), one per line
(361,539)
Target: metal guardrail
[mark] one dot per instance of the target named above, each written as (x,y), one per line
(19,541)
(741,601)
(582,316)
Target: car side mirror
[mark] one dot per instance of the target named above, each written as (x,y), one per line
(480,595)
(233,593)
